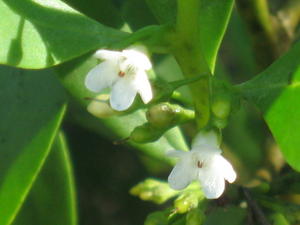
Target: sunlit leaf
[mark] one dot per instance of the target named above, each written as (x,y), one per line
(276,92)
(38,34)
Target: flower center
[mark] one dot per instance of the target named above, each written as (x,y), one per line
(199,164)
(121,74)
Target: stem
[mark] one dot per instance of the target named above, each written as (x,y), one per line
(187,51)
(258,213)
(260,24)
(272,34)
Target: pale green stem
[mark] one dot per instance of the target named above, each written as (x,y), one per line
(265,18)
(187,51)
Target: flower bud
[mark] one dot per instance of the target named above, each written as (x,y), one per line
(166,115)
(188,200)
(99,107)
(195,217)
(153,190)
(221,108)
(146,133)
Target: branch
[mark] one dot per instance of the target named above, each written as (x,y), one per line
(257,212)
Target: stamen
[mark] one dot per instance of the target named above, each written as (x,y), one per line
(200,164)
(121,74)
(130,68)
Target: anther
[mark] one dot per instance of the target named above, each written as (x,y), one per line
(200,164)
(121,74)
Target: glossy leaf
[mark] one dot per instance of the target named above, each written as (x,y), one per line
(32,107)
(52,197)
(214,17)
(276,92)
(47,33)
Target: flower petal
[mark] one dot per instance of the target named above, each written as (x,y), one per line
(212,182)
(108,55)
(101,76)
(225,168)
(143,86)
(122,94)
(183,173)
(205,138)
(138,58)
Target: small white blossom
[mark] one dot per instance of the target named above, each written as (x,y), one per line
(204,163)
(125,73)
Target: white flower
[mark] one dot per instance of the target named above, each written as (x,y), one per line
(125,73)
(204,163)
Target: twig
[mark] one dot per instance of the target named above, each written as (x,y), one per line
(257,212)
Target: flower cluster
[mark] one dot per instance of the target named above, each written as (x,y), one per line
(125,73)
(204,163)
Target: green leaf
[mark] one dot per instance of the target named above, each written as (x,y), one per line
(32,107)
(47,33)
(137,14)
(276,92)
(226,216)
(214,17)
(164,10)
(103,11)
(73,74)
(52,197)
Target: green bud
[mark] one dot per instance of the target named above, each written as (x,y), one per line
(188,200)
(195,217)
(153,190)
(99,107)
(146,133)
(221,108)
(166,115)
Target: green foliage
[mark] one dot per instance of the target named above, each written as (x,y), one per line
(29,122)
(164,10)
(36,180)
(53,189)
(188,200)
(229,216)
(214,17)
(48,33)
(276,92)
